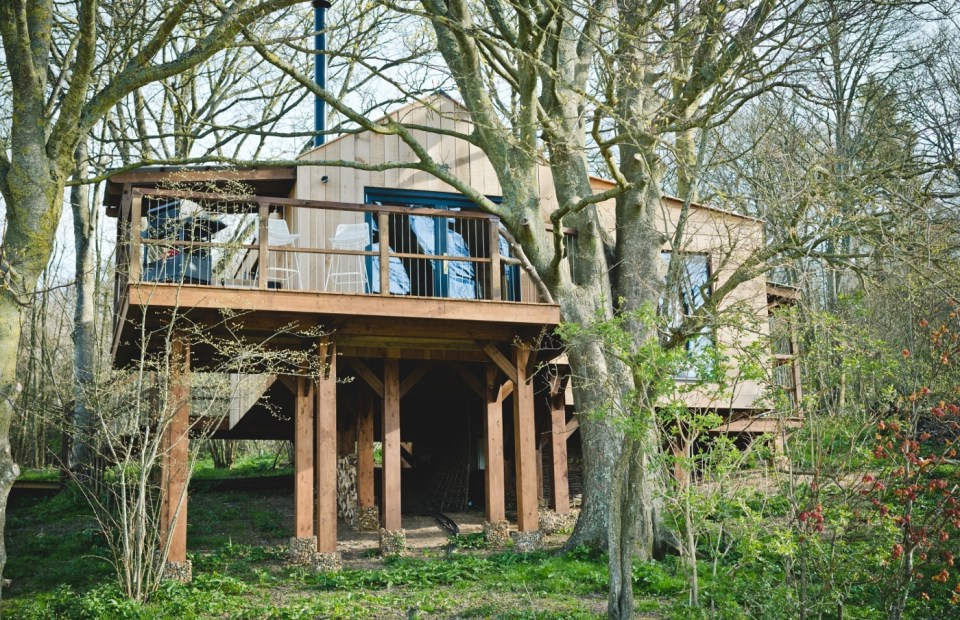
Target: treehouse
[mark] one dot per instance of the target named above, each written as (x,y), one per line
(423,332)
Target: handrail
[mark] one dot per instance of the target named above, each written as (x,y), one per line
(311,204)
(473,244)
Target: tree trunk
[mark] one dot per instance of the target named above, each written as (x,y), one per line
(9,390)
(599,439)
(624,520)
(84,316)
(33,193)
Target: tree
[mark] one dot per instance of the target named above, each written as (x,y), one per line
(635,83)
(58,83)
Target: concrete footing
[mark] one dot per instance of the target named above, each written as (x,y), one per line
(393,542)
(327,562)
(552,522)
(368,519)
(178,571)
(497,533)
(526,542)
(302,551)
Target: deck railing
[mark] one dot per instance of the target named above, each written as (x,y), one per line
(168,236)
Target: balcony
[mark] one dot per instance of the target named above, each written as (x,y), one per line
(379,276)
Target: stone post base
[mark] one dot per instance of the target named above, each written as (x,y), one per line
(552,522)
(525,542)
(368,518)
(393,542)
(497,533)
(178,571)
(327,562)
(302,551)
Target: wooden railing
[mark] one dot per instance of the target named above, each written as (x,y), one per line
(167,236)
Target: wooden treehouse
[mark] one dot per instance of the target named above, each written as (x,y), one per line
(425,331)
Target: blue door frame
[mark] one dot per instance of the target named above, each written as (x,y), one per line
(443,201)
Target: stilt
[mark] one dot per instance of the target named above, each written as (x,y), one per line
(561,482)
(541,442)
(390,500)
(365,490)
(176,460)
(493,446)
(326,457)
(303,459)
(525,445)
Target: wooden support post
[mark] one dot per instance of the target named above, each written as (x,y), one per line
(679,449)
(135,246)
(326,459)
(177,445)
(303,458)
(346,434)
(383,226)
(263,240)
(365,491)
(390,500)
(495,293)
(541,441)
(795,367)
(561,482)
(525,445)
(493,447)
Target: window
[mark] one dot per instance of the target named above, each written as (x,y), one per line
(438,236)
(687,296)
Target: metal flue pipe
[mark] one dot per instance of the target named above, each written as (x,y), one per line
(319,69)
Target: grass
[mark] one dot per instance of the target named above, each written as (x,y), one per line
(48,474)
(244,468)
(238,549)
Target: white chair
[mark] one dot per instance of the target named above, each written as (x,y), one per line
(285,269)
(348,271)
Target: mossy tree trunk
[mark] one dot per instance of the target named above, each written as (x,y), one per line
(44,128)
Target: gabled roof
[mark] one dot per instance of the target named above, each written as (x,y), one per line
(382,120)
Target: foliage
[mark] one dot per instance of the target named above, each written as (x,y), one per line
(476,540)
(243,467)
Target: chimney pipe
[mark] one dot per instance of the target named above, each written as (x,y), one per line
(319,69)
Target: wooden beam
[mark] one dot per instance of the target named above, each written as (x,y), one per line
(532,362)
(501,361)
(572,425)
(290,382)
(177,457)
(365,490)
(413,378)
(326,456)
(525,444)
(483,319)
(506,390)
(493,446)
(303,457)
(367,375)
(180,174)
(561,480)
(423,354)
(390,500)
(470,379)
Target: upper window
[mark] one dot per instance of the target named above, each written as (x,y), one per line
(688,295)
